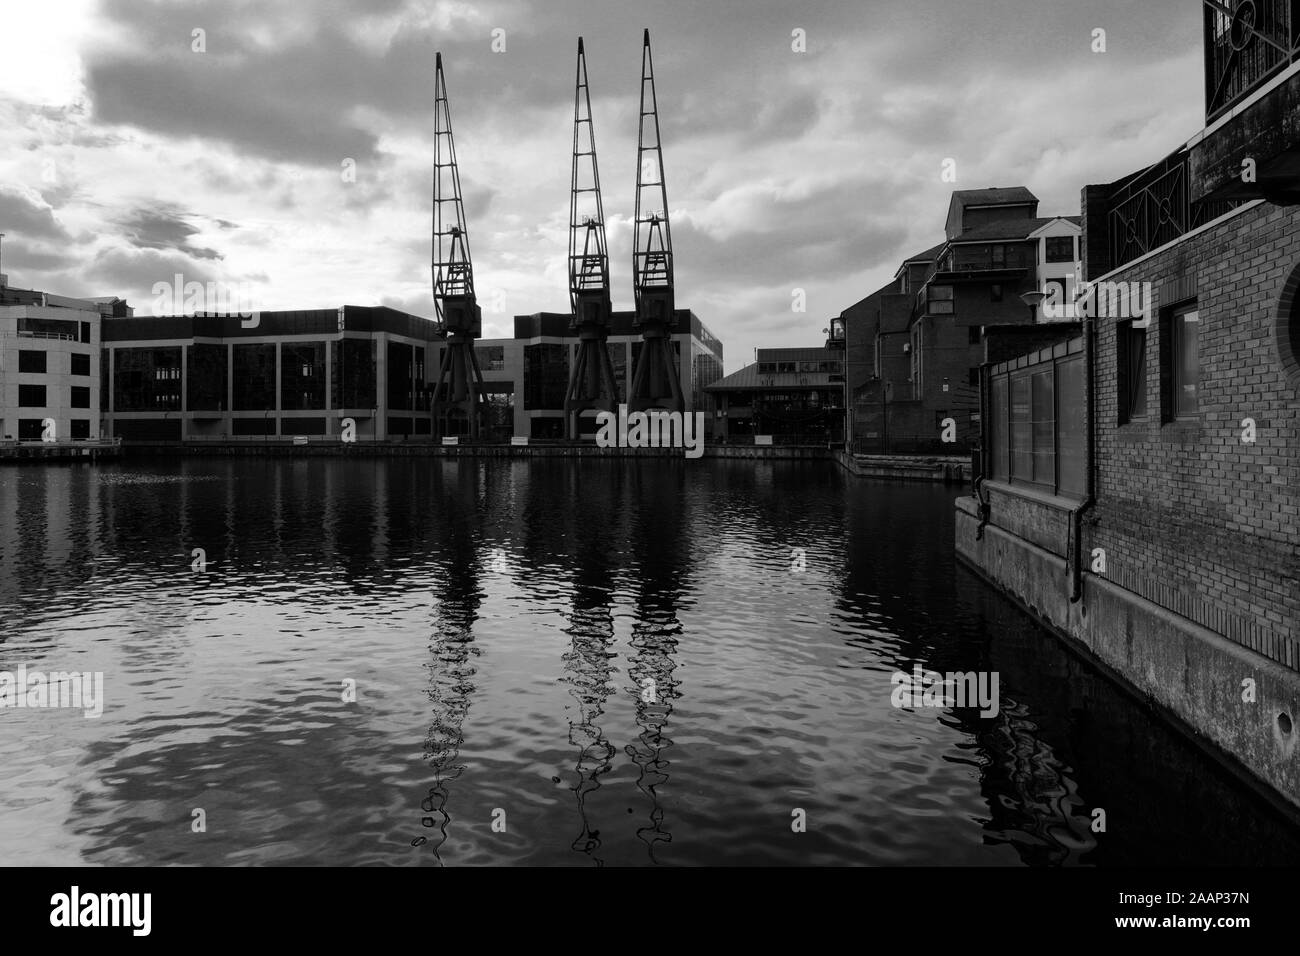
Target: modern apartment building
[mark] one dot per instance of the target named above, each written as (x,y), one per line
(49,364)
(274,374)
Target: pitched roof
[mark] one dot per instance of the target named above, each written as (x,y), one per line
(748,379)
(993,196)
(1009,229)
(929,255)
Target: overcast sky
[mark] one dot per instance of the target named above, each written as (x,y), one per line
(126,157)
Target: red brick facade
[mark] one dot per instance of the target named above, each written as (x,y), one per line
(1189,515)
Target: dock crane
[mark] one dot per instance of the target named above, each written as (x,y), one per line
(592,386)
(457,404)
(655,379)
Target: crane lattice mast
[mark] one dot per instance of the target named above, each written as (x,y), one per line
(592,386)
(655,379)
(457,405)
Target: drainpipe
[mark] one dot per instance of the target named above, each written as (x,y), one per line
(1075,552)
(985,456)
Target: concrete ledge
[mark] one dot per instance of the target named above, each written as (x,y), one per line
(1193,675)
(953,469)
(333,448)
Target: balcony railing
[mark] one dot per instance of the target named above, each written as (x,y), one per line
(1153,208)
(1246,42)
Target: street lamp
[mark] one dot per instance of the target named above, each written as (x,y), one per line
(1033,299)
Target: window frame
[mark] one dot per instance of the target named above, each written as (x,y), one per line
(1127,333)
(1173,322)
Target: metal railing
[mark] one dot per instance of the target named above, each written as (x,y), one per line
(1246,42)
(1153,208)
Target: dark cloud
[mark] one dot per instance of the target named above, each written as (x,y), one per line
(163,227)
(23,217)
(131,273)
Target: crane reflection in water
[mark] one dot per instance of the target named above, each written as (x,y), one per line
(452,659)
(662,568)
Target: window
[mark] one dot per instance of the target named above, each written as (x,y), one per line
(973,335)
(998,256)
(80,364)
(995,292)
(1060,249)
(80,396)
(940,300)
(999,447)
(1036,430)
(31,396)
(31,361)
(1071,429)
(1033,427)
(1131,358)
(81,428)
(1180,363)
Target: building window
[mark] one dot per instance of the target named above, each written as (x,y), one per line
(998,257)
(31,361)
(253,374)
(1060,249)
(80,396)
(546,376)
(1037,428)
(1180,362)
(31,396)
(1131,358)
(995,292)
(939,298)
(973,335)
(491,358)
(30,429)
(80,364)
(1288,329)
(81,428)
(1033,427)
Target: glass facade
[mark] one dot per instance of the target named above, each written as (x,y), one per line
(206,370)
(253,376)
(147,379)
(354,373)
(302,376)
(546,376)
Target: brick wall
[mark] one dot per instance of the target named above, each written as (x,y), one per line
(1191,517)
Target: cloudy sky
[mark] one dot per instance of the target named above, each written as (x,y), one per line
(127,157)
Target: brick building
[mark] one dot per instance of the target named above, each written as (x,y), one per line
(914,347)
(1142,484)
